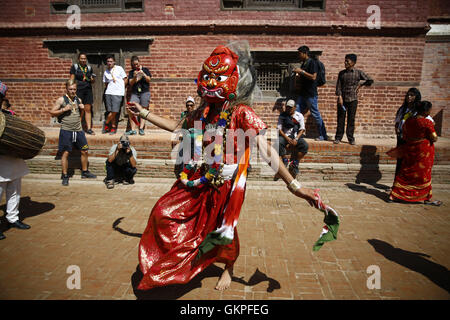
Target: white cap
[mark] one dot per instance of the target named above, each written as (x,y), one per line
(290,103)
(190,99)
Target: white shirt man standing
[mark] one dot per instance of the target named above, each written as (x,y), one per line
(114,78)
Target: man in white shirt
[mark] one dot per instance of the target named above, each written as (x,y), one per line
(291,127)
(114,78)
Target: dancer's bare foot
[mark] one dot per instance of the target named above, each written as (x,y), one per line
(224,280)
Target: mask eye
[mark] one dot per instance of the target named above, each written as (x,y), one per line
(206,77)
(222,78)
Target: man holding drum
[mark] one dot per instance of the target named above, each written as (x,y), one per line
(12,170)
(67,109)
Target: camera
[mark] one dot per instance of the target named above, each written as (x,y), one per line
(125,144)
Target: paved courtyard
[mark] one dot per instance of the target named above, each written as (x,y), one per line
(98,230)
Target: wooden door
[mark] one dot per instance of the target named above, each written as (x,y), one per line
(98,64)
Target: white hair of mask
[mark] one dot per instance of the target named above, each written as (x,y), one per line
(247,90)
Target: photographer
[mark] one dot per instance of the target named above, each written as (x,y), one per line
(139,85)
(121,163)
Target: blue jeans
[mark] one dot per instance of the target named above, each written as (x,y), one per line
(310,103)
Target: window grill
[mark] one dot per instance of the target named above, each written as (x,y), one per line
(269,76)
(87,6)
(274,4)
(272,70)
(100,3)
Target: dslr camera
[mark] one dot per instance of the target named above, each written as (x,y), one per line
(125,144)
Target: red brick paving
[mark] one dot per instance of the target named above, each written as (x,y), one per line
(73,226)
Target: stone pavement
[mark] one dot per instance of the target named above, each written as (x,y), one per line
(98,230)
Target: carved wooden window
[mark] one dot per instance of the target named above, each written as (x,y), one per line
(272,70)
(98,5)
(274,4)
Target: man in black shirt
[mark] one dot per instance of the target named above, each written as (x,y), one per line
(139,84)
(82,73)
(308,96)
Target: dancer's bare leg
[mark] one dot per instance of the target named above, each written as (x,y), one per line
(225,279)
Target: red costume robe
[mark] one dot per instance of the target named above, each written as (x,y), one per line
(183,217)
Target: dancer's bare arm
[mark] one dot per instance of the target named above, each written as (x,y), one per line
(161,122)
(271,156)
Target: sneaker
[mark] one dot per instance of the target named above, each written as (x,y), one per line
(130,132)
(65,180)
(141,132)
(89,131)
(109,184)
(352,142)
(105,128)
(87,174)
(131,181)
(336,141)
(113,131)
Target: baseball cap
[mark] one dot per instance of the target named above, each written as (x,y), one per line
(290,103)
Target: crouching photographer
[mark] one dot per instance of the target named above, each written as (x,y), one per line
(121,163)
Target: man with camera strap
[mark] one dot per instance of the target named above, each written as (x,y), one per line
(121,163)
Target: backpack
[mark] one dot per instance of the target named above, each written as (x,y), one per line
(321,78)
(67,101)
(76,67)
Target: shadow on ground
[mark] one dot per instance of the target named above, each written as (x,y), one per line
(120,230)
(375,191)
(176,291)
(414,261)
(27,208)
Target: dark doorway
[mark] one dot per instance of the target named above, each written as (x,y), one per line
(98,64)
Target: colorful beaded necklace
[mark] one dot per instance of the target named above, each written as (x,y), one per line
(213,174)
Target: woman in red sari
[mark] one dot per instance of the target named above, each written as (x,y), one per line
(413,182)
(194,224)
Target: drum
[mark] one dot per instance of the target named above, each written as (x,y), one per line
(19,138)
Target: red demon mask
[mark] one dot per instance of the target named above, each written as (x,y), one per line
(219,76)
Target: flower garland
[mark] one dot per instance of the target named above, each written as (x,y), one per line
(212,176)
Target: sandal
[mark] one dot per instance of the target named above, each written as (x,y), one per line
(110,184)
(436,203)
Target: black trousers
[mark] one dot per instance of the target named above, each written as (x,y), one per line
(113,171)
(350,110)
(400,142)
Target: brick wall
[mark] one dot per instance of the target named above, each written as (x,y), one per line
(435,84)
(345,11)
(393,62)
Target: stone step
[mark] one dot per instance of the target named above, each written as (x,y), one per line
(160,168)
(160,144)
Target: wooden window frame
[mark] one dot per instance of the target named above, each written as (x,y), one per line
(251,5)
(121,7)
(284,60)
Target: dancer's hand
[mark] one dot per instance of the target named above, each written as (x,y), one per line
(134,108)
(307,194)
